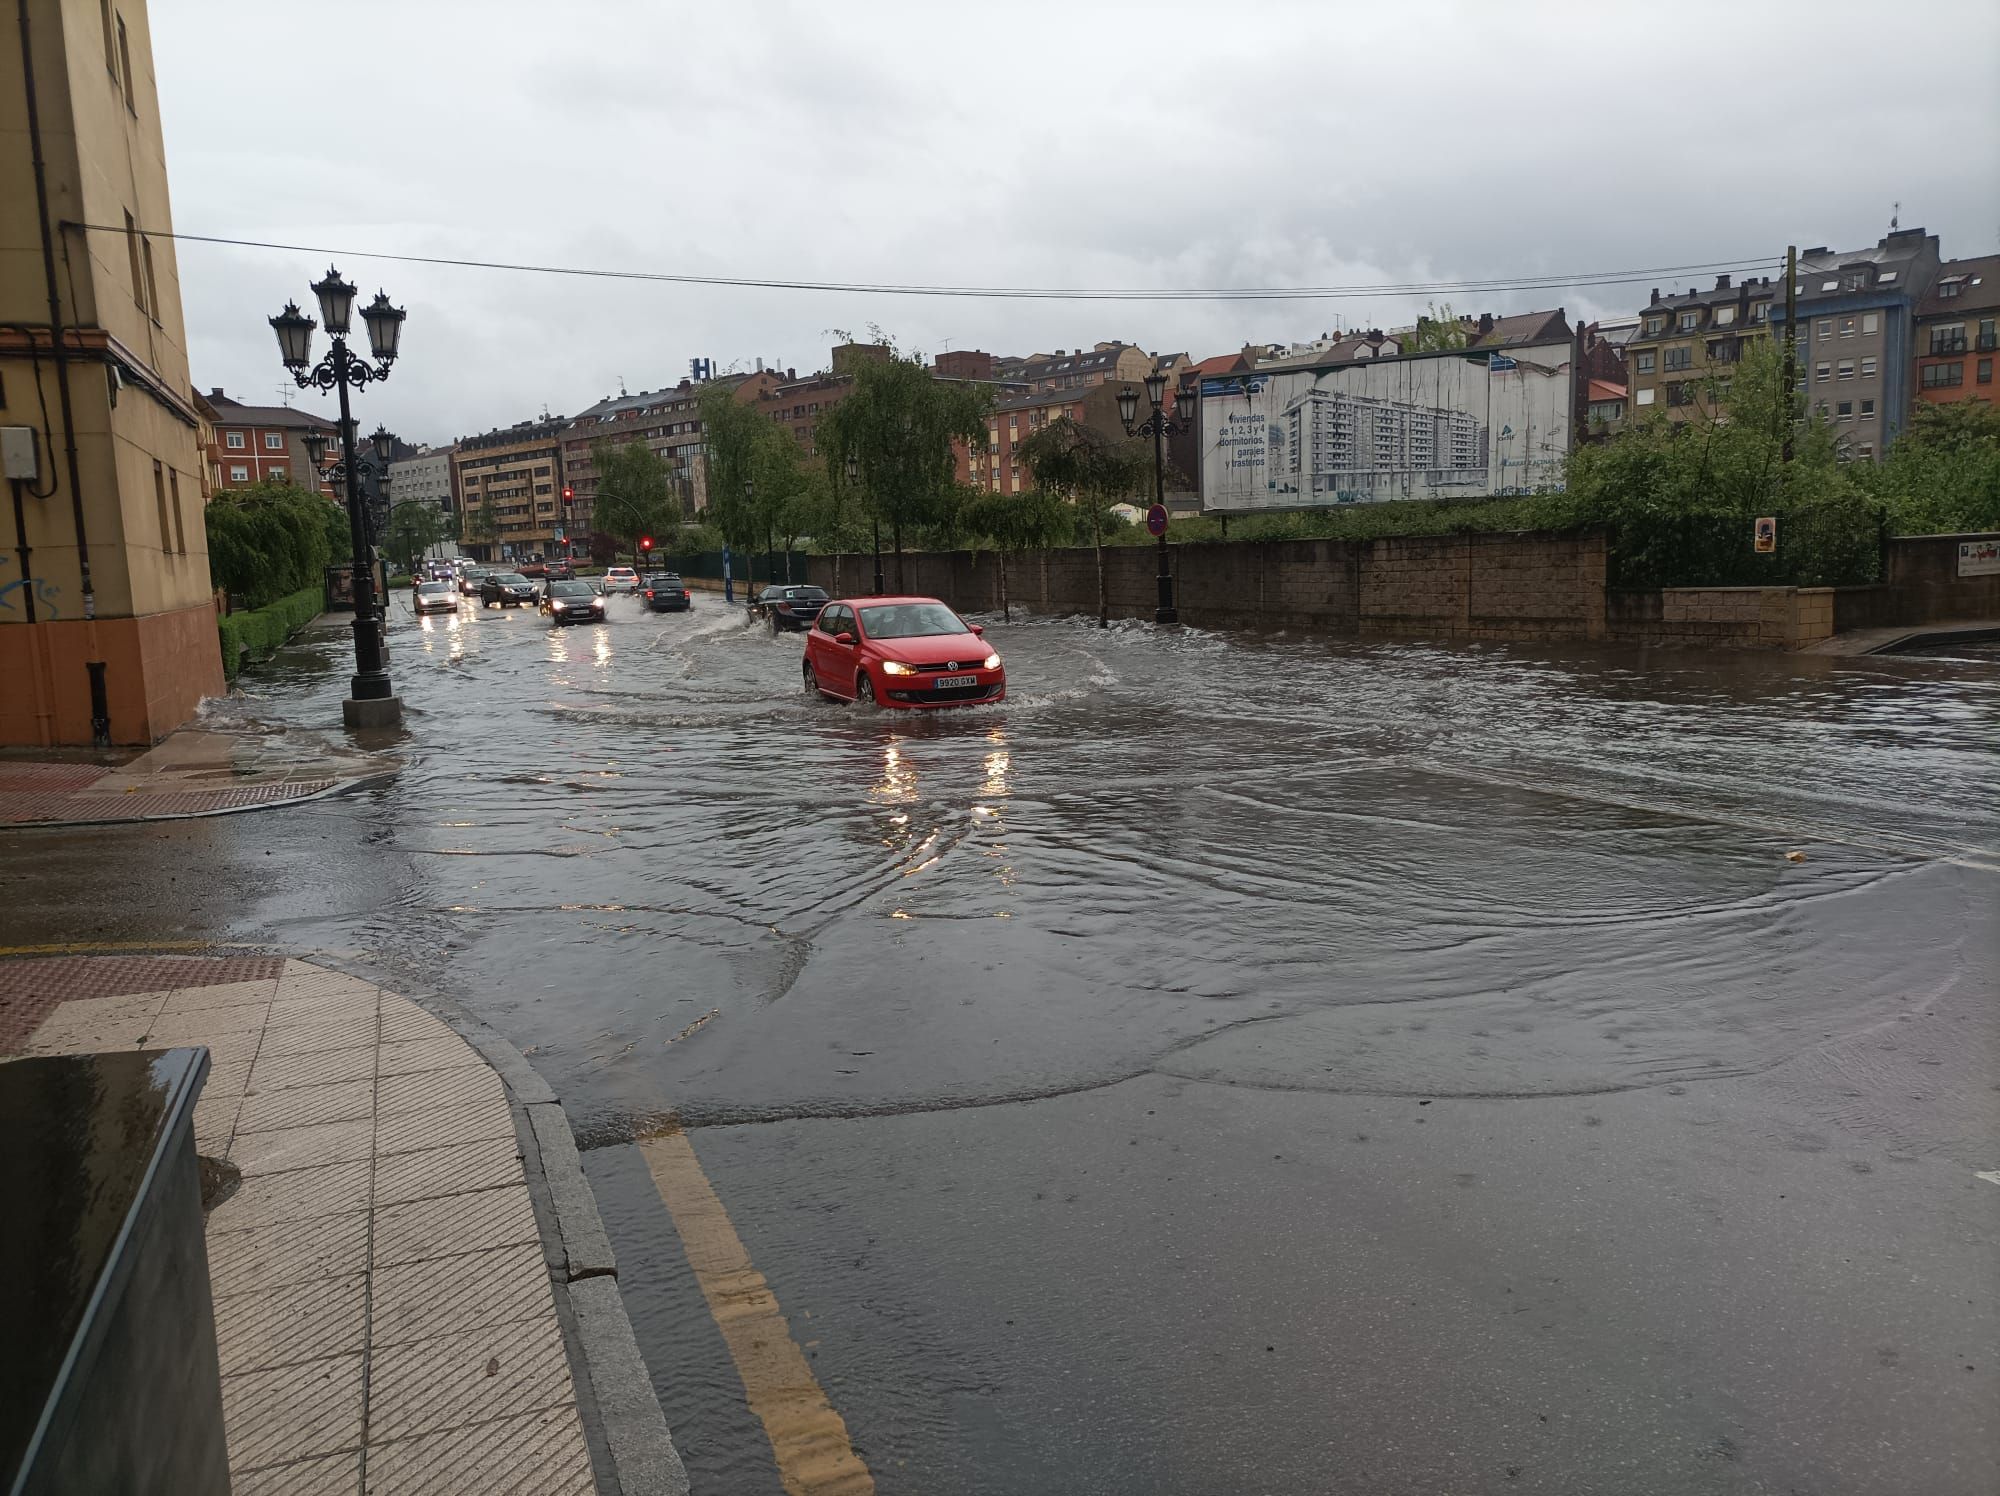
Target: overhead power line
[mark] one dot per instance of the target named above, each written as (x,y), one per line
(1000,293)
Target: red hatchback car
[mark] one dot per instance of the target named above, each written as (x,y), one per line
(902,652)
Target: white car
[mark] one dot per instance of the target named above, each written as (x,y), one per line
(621,579)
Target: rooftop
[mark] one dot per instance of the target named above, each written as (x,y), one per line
(1963,286)
(228,412)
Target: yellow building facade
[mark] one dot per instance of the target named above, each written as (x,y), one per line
(107,620)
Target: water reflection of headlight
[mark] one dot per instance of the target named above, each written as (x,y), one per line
(899,778)
(603,637)
(997,764)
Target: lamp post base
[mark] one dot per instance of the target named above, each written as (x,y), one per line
(361,713)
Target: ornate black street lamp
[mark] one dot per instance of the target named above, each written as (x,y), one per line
(1159,426)
(372,698)
(749,551)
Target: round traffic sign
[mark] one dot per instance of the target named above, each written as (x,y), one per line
(1156,519)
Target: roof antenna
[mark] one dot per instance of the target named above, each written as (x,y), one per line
(285,395)
(621,386)
(1895,212)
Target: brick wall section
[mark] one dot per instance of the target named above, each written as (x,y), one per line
(1722,617)
(1455,586)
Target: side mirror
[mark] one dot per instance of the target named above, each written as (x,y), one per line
(976,628)
(843,638)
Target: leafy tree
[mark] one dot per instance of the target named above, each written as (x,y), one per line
(1942,474)
(744,449)
(270,540)
(634,496)
(414,527)
(1016,522)
(1438,332)
(898,423)
(1092,471)
(482,524)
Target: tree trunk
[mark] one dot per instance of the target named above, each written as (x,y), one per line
(1001,558)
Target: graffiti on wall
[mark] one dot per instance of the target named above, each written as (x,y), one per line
(47,594)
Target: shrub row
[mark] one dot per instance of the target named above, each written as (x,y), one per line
(260,632)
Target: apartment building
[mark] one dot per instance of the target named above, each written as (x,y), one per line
(1016,416)
(1955,325)
(666,420)
(1857,334)
(424,477)
(509,483)
(1685,339)
(250,444)
(1105,363)
(107,621)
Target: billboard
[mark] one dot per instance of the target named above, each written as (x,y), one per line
(1426,426)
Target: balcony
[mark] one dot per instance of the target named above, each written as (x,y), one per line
(1985,342)
(1942,345)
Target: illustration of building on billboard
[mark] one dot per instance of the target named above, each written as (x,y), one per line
(1423,426)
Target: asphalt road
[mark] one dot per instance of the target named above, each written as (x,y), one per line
(1234,1064)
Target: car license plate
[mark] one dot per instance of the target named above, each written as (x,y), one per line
(952,682)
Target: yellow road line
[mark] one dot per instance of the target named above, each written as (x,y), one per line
(808,1438)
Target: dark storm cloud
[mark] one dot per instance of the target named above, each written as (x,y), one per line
(1070,144)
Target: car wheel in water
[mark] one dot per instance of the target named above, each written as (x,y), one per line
(864,690)
(812,681)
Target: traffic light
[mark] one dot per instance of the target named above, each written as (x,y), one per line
(568,493)
(645,542)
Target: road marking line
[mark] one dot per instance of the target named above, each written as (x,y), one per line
(808,1438)
(1990,1176)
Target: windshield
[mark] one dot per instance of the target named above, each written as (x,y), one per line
(909,620)
(432,589)
(571,589)
(621,571)
(509,578)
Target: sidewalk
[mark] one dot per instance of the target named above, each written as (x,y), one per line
(386,1299)
(195,771)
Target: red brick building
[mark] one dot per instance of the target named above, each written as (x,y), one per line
(1955,324)
(1018,415)
(261,443)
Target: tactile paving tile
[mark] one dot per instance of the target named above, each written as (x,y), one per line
(501,1371)
(31,988)
(540,1454)
(429,1089)
(453,1224)
(486,1164)
(290,1412)
(440,1127)
(308,1106)
(329,1475)
(299,1322)
(295,1195)
(423,1300)
(290,1252)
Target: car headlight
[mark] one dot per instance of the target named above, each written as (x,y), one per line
(897,667)
(555,607)
(991,662)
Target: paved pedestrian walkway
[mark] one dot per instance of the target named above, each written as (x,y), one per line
(383,1307)
(195,771)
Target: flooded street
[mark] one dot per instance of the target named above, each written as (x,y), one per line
(1233,1063)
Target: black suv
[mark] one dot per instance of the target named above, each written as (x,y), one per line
(788,606)
(665,592)
(507,589)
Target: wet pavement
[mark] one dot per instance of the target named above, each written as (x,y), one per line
(1237,1063)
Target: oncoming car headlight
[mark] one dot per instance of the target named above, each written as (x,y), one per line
(897,667)
(991,662)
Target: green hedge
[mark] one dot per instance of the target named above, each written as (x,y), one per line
(260,632)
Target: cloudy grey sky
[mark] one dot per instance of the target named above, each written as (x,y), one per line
(1030,144)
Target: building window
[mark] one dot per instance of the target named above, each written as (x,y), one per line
(125,65)
(1826,371)
(1948,339)
(276,474)
(1866,451)
(1680,393)
(1854,280)
(1868,368)
(1723,350)
(1724,316)
(110,37)
(1655,326)
(180,525)
(132,251)
(1943,376)
(1826,327)
(1689,321)
(1867,410)
(239,475)
(1643,397)
(1847,368)
(1950,288)
(1642,362)
(1871,323)
(1986,371)
(234,439)
(274,441)
(1847,327)
(152,285)
(1844,411)
(1680,357)
(160,500)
